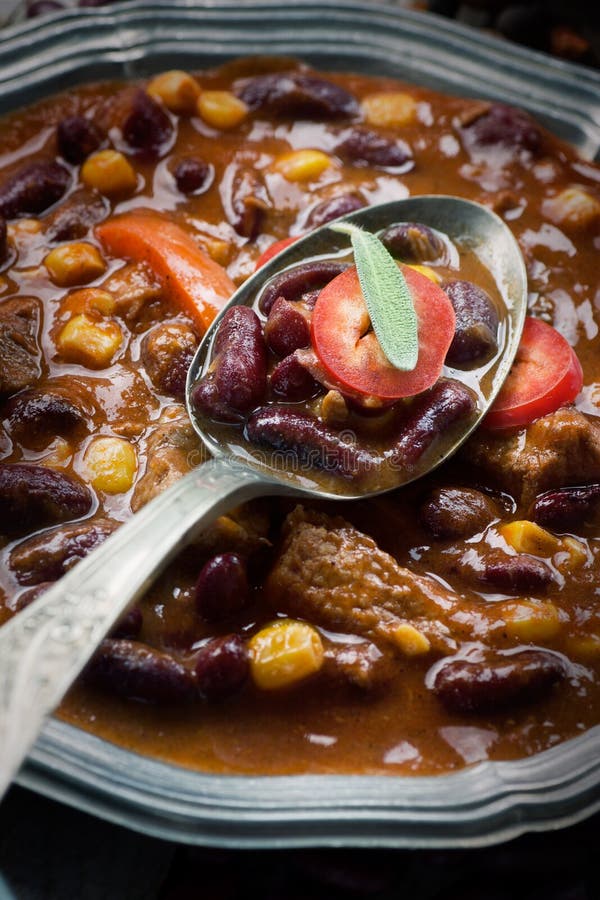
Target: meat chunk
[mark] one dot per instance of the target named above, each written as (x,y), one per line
(20,360)
(334,575)
(559,449)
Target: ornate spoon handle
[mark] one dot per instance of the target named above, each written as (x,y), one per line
(44,647)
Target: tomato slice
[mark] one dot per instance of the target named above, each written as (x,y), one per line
(350,352)
(546,374)
(273,250)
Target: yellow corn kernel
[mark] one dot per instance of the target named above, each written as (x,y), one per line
(574,208)
(527,537)
(94,300)
(177,90)
(221,109)
(393,109)
(111,464)
(531,621)
(427,271)
(75,263)
(92,344)
(410,640)
(302,165)
(576,553)
(109,172)
(585,647)
(284,653)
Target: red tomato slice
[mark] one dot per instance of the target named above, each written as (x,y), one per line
(350,352)
(273,250)
(546,374)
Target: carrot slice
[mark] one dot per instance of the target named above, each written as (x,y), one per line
(194,281)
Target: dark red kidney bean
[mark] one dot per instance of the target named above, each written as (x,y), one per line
(134,670)
(33,189)
(73,218)
(32,496)
(450,513)
(332,209)
(129,626)
(35,416)
(292,381)
(47,556)
(496,682)
(566,507)
(506,126)
(308,442)
(286,329)
(147,128)
(363,147)
(192,175)
(29,596)
(77,137)
(166,352)
(445,404)
(413,242)
(248,203)
(206,400)
(519,574)
(297,95)
(476,334)
(294,283)
(222,587)
(221,667)
(241,360)
(20,354)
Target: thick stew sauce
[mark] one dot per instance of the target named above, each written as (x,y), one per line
(453,620)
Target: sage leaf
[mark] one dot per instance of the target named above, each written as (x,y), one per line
(388,299)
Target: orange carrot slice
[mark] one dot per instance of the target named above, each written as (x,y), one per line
(194,281)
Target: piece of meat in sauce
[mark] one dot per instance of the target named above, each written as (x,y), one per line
(559,449)
(20,357)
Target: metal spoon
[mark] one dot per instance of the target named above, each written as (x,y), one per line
(44,647)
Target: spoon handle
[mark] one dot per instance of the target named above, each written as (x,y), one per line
(45,646)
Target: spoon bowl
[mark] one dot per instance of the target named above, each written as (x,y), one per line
(45,646)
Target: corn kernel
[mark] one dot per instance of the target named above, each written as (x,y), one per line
(221,109)
(216,248)
(302,165)
(109,172)
(393,109)
(410,640)
(93,344)
(576,553)
(284,653)
(531,621)
(586,648)
(427,271)
(574,208)
(111,464)
(177,90)
(527,537)
(93,300)
(334,409)
(75,263)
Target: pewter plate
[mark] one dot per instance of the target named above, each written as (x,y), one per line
(489,802)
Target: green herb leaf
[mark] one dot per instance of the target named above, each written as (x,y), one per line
(387,297)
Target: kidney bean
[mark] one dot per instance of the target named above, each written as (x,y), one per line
(33,189)
(445,404)
(476,331)
(494,682)
(129,626)
(147,128)
(77,137)
(413,243)
(519,574)
(308,441)
(47,556)
(566,507)
(332,209)
(297,95)
(32,496)
(248,204)
(286,329)
(293,283)
(292,381)
(450,513)
(35,416)
(221,667)
(192,176)
(369,148)
(506,126)
(134,670)
(20,355)
(222,587)
(30,595)
(206,400)
(241,360)
(166,352)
